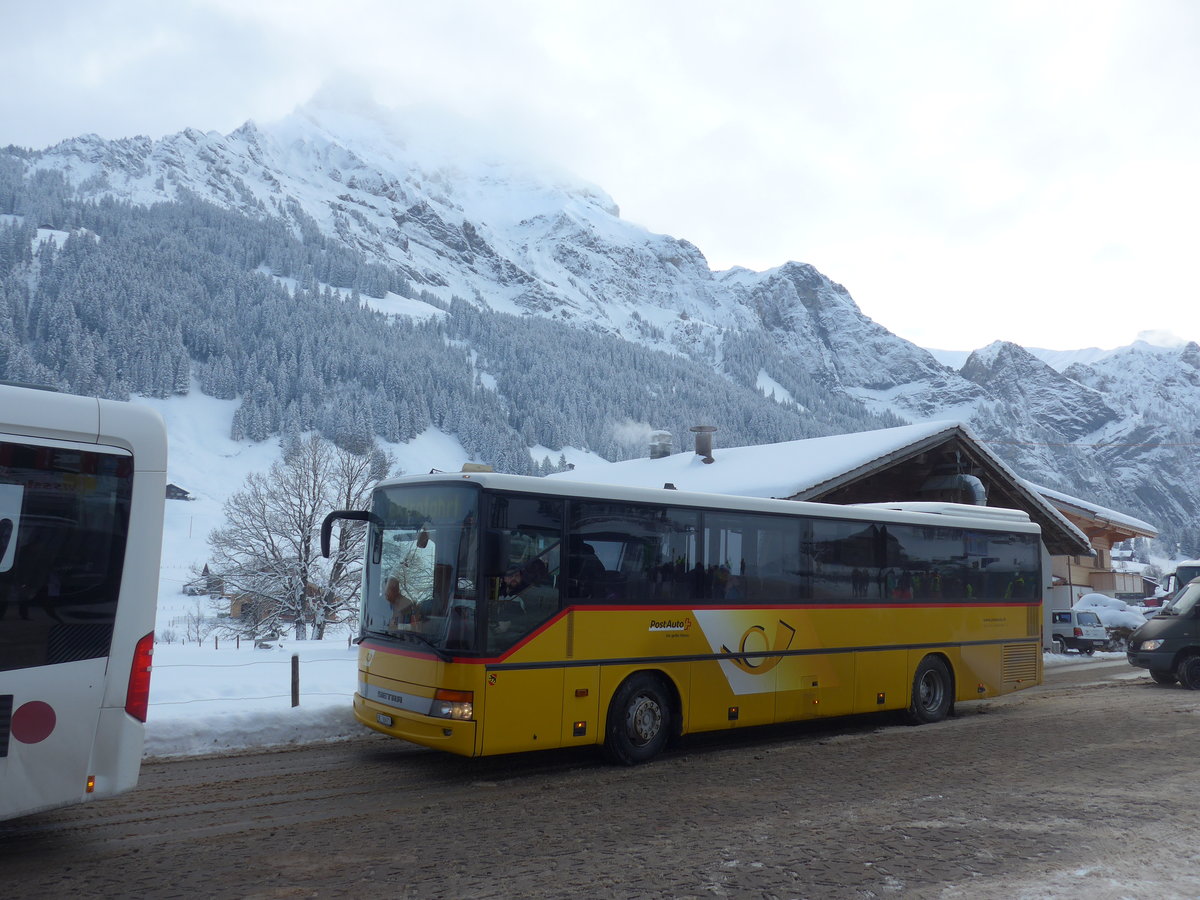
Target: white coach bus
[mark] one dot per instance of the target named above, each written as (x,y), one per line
(82,483)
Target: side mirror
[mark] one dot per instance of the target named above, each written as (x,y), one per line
(356,515)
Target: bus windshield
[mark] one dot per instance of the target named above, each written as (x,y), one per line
(1184,601)
(422,572)
(1184,573)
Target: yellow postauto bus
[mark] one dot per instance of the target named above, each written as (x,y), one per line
(503,613)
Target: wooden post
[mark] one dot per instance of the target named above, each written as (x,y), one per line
(295,679)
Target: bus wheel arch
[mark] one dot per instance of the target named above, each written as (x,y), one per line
(932,698)
(643,717)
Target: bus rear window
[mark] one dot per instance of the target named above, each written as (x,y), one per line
(64,517)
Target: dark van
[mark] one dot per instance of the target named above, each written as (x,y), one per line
(1169,644)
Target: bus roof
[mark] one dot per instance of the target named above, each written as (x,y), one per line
(88,420)
(963,515)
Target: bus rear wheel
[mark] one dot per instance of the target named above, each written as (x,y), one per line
(639,720)
(932,692)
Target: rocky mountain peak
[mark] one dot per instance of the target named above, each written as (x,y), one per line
(1011,374)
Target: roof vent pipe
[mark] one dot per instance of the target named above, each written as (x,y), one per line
(969,484)
(704,440)
(660,444)
(978,491)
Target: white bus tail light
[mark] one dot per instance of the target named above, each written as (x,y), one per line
(137,698)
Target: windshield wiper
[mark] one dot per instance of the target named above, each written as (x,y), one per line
(422,639)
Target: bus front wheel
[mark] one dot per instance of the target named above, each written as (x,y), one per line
(639,720)
(932,692)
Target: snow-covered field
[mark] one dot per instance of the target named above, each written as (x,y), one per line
(207,700)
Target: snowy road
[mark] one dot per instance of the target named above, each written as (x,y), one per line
(1084,787)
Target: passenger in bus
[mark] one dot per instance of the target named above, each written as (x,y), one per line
(408,577)
(396,591)
(1016,589)
(725,585)
(584,568)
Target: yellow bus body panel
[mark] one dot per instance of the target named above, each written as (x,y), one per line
(523,710)
(730,667)
(393,684)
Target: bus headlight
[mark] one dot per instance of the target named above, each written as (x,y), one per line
(1150,645)
(453,705)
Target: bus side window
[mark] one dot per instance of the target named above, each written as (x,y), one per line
(846,562)
(646,553)
(522,568)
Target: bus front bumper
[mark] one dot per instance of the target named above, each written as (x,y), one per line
(451,735)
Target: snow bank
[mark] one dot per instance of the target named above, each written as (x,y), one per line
(213,699)
(1113,613)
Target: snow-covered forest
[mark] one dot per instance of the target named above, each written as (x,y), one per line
(108,298)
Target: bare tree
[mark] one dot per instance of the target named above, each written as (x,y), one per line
(196,625)
(268,552)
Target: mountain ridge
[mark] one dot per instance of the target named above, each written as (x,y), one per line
(473,230)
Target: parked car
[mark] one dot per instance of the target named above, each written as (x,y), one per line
(1169,644)
(1077,629)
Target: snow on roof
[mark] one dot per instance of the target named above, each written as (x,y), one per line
(789,468)
(765,470)
(1095,511)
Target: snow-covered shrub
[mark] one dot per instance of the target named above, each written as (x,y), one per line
(1113,613)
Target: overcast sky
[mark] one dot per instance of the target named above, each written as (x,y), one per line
(970,171)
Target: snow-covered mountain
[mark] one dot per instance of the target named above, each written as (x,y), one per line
(451,220)
(458,222)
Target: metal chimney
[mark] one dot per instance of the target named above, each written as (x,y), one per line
(660,444)
(704,440)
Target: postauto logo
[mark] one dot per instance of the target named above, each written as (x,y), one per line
(676,625)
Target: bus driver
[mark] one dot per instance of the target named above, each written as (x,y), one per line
(525,591)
